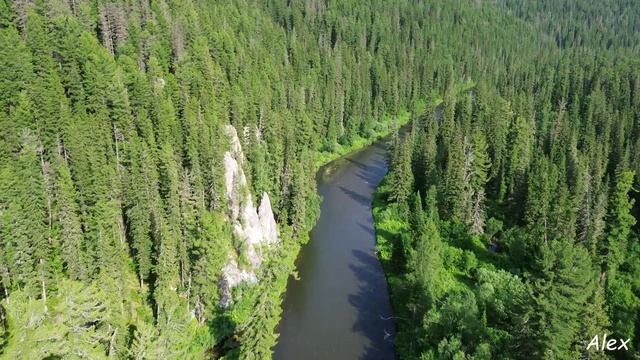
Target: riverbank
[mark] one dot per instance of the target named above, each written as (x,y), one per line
(268,294)
(388,230)
(278,287)
(438,279)
(382,129)
(340,308)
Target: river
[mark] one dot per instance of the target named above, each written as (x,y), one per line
(340,309)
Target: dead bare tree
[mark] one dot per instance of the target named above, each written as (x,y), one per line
(177,43)
(113,25)
(21,8)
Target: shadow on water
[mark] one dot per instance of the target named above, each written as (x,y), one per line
(376,327)
(371,176)
(357,197)
(368,228)
(357,163)
(372,171)
(341,310)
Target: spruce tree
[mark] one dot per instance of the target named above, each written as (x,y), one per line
(620,221)
(563,282)
(25,222)
(69,224)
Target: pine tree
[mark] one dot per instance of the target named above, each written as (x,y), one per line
(69,226)
(25,223)
(15,61)
(76,322)
(15,124)
(144,344)
(258,337)
(620,221)
(426,261)
(521,152)
(6,17)
(563,283)
(176,330)
(595,321)
(478,177)
(402,177)
(141,185)
(418,218)
(540,199)
(455,196)
(209,256)
(497,139)
(46,91)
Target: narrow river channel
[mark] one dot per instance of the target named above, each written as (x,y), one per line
(339,309)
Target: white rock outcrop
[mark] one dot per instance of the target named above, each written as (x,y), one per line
(255,228)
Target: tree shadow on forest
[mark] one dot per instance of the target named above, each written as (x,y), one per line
(479,246)
(635,211)
(229,344)
(374,317)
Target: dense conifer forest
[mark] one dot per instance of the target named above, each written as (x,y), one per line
(508,222)
(507,225)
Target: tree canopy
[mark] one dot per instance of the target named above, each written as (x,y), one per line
(524,153)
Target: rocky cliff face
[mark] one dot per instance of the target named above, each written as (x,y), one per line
(255,228)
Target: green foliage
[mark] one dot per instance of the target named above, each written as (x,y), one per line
(111,175)
(402,176)
(544,156)
(111,154)
(564,282)
(620,222)
(75,324)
